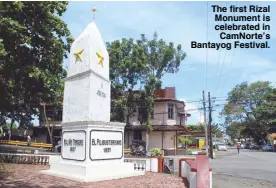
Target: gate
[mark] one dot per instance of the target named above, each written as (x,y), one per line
(168,165)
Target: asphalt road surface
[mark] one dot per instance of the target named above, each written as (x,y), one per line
(248,169)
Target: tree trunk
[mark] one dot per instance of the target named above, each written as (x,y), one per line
(50,132)
(41,116)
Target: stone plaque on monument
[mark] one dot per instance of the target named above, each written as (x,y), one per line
(74,145)
(106,145)
(92,146)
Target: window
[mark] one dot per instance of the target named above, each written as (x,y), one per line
(170,111)
(137,135)
(181,120)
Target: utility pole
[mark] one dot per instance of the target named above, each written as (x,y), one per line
(210,126)
(205,124)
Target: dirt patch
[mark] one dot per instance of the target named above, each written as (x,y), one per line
(28,176)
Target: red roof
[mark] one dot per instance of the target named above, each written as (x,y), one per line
(167,93)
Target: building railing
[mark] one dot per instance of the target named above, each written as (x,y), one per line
(139,164)
(151,164)
(24,159)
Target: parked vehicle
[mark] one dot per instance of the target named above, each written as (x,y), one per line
(247,146)
(221,147)
(138,148)
(253,147)
(268,147)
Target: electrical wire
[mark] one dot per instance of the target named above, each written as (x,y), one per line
(218,63)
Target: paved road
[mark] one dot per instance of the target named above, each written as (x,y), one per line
(248,169)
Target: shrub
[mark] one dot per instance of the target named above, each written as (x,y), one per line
(183,140)
(156,151)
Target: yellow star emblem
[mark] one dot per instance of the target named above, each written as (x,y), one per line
(100,58)
(78,56)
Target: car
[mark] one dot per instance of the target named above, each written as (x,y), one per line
(253,147)
(221,147)
(247,146)
(268,147)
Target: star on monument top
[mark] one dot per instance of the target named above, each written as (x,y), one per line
(78,56)
(100,57)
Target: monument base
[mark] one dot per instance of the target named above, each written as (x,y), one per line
(93,172)
(92,151)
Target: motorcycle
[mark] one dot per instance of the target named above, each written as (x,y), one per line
(138,149)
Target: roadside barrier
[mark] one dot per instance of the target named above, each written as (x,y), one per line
(32,144)
(127,150)
(196,172)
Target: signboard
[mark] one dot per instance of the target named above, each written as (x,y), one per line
(74,145)
(106,145)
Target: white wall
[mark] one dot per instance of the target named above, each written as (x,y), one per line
(169,139)
(155,140)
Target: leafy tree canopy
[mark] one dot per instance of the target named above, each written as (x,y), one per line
(139,64)
(250,110)
(33,42)
(216,129)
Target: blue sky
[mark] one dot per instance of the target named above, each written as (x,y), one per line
(181,23)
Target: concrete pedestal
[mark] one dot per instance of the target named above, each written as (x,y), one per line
(92,151)
(91,172)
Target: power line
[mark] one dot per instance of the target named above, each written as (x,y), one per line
(219,79)
(231,62)
(210,126)
(205,124)
(217,69)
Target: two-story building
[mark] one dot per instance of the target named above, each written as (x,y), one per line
(169,118)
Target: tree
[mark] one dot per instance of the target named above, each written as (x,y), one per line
(216,129)
(161,59)
(184,140)
(140,64)
(127,70)
(233,130)
(33,42)
(251,108)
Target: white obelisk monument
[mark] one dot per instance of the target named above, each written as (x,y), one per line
(92,146)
